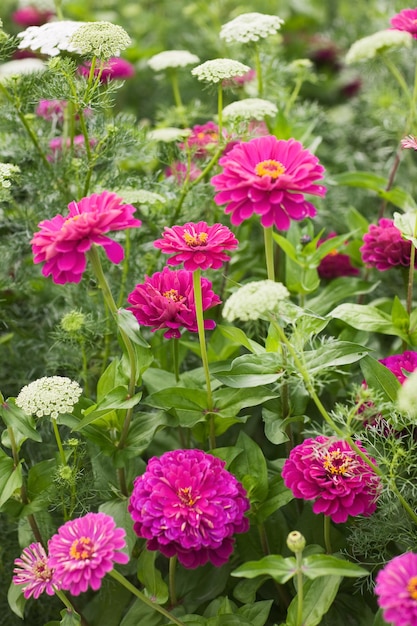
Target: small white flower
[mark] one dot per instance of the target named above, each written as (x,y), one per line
(50,38)
(50,395)
(250,27)
(255,300)
(20,67)
(172,59)
(100,39)
(249,109)
(381,41)
(168,134)
(140,196)
(8,172)
(407,395)
(216,70)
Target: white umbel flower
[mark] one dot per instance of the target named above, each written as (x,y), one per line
(250,27)
(100,39)
(51,38)
(20,67)
(8,172)
(255,300)
(50,395)
(216,70)
(407,395)
(171,59)
(249,109)
(381,41)
(168,134)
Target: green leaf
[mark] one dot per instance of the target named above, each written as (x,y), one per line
(117,509)
(183,398)
(380,378)
(379,619)
(10,477)
(228,620)
(363,180)
(277,567)
(333,354)
(327,565)
(288,248)
(251,370)
(338,290)
(319,595)
(256,613)
(399,316)
(245,590)
(127,322)
(233,400)
(367,317)
(399,198)
(278,495)
(14,417)
(250,467)
(70,618)
(237,335)
(140,613)
(16,600)
(151,577)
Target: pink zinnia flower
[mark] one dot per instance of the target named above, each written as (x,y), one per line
(52,110)
(187,504)
(396,588)
(166,300)
(409,142)
(202,137)
(329,472)
(400,363)
(405,20)
(197,245)
(84,550)
(34,573)
(31,16)
(62,242)
(240,81)
(335,263)
(58,144)
(384,246)
(269,177)
(115,68)
(181,171)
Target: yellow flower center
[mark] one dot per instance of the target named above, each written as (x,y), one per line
(42,571)
(270,167)
(172,294)
(82,549)
(412,587)
(213,136)
(184,494)
(193,240)
(336,463)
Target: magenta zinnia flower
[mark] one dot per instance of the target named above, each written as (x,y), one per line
(62,242)
(400,363)
(34,573)
(269,177)
(384,246)
(396,588)
(197,245)
(335,263)
(31,16)
(187,504)
(329,472)
(115,68)
(166,300)
(84,550)
(405,20)
(201,138)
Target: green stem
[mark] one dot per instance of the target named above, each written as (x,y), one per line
(198,300)
(173,76)
(156,607)
(326,532)
(411,271)
(58,9)
(175,359)
(300,594)
(293,96)
(269,252)
(258,67)
(125,269)
(399,78)
(172,568)
(59,442)
(220,109)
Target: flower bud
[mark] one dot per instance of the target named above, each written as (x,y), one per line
(296,541)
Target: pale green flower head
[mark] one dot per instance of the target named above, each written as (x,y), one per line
(407,395)
(171,59)
(141,196)
(8,173)
(255,300)
(100,39)
(73,322)
(50,395)
(168,134)
(250,27)
(381,41)
(407,225)
(216,70)
(249,109)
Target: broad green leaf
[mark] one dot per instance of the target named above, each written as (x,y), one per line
(333,354)
(117,398)
(112,377)
(327,565)
(127,322)
(237,335)
(277,567)
(117,509)
(140,613)
(288,248)
(151,577)
(338,290)
(237,399)
(245,590)
(39,479)
(367,317)
(14,417)
(256,613)
(250,468)
(380,378)
(319,595)
(363,180)
(16,600)
(251,370)
(399,316)
(143,428)
(70,618)
(278,495)
(357,222)
(194,620)
(379,619)
(399,198)
(228,620)
(183,398)
(10,477)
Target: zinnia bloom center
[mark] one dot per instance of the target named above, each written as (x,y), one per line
(270,167)
(41,571)
(194,239)
(184,494)
(412,587)
(82,549)
(172,294)
(336,463)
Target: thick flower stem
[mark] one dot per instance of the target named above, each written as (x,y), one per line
(258,67)
(203,348)
(220,109)
(175,358)
(269,252)
(59,442)
(172,568)
(123,581)
(411,272)
(173,77)
(326,532)
(300,590)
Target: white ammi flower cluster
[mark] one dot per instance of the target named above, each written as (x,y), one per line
(8,171)
(249,109)
(255,300)
(216,70)
(50,395)
(369,47)
(51,38)
(250,27)
(170,59)
(19,67)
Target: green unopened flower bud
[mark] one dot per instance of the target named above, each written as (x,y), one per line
(73,321)
(296,541)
